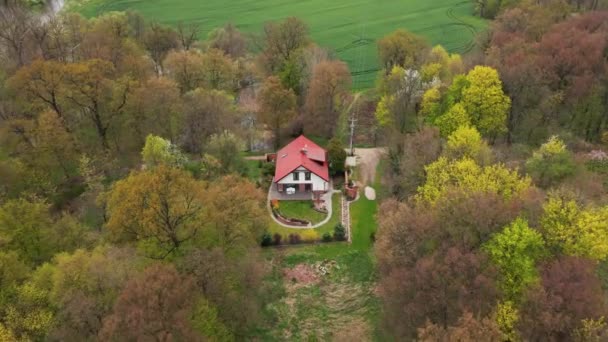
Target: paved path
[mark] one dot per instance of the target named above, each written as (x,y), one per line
(327,197)
(255,158)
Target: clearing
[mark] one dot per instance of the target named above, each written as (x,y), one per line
(349,28)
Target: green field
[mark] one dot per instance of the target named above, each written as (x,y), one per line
(350,28)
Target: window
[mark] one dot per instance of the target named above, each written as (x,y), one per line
(296,176)
(306,175)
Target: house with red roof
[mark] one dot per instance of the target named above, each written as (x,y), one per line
(301,167)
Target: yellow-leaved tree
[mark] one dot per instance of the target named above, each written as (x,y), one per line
(466,175)
(161,208)
(573,230)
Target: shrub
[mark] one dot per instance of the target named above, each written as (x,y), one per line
(274,204)
(266,239)
(277,238)
(327,237)
(551,163)
(310,235)
(339,232)
(295,239)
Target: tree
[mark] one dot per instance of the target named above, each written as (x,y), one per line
(156,305)
(159,40)
(236,217)
(466,142)
(277,107)
(327,93)
(485,101)
(569,293)
(466,329)
(401,48)
(573,230)
(551,163)
(515,251)
(413,295)
(281,41)
(185,68)
(465,175)
(162,208)
(26,228)
(218,71)
(84,287)
(454,118)
(229,40)
(206,112)
(158,151)
(226,148)
(187,34)
(336,155)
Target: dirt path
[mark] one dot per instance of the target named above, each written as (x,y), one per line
(367,160)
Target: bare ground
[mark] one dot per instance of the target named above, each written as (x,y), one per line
(368,159)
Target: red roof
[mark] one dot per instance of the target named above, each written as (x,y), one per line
(301,152)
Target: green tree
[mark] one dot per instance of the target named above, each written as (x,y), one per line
(450,121)
(158,150)
(515,251)
(466,141)
(551,163)
(485,101)
(226,148)
(337,156)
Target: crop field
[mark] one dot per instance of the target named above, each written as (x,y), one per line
(349,28)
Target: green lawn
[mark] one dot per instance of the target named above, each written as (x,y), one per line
(301,210)
(349,28)
(328,227)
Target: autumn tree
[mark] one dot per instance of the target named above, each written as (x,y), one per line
(155,305)
(206,112)
(468,328)
(277,107)
(281,41)
(466,142)
(326,97)
(569,293)
(402,48)
(419,293)
(185,68)
(159,40)
(84,286)
(160,208)
(229,40)
(218,71)
(187,34)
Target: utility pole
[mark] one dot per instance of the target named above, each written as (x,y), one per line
(352,133)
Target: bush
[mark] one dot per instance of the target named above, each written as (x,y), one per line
(339,232)
(310,235)
(326,237)
(266,240)
(551,163)
(295,239)
(277,238)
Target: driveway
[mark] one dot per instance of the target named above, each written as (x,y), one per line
(367,160)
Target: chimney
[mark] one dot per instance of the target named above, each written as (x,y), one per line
(304,149)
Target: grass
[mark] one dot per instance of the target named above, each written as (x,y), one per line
(302,210)
(254,171)
(328,227)
(343,304)
(349,28)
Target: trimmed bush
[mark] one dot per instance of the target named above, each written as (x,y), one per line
(326,237)
(266,240)
(295,239)
(310,235)
(339,232)
(277,238)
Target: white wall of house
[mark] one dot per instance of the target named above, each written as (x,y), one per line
(318,183)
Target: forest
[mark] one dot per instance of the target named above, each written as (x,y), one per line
(129,210)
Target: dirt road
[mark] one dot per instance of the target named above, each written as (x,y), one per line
(368,159)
